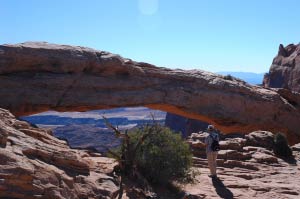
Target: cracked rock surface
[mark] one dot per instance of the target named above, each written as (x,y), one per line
(247,168)
(35,164)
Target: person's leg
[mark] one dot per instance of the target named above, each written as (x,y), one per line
(214,163)
(210,161)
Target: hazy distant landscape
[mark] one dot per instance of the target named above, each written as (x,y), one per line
(88,129)
(251,78)
(117,116)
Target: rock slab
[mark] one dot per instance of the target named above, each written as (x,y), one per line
(35,164)
(247,168)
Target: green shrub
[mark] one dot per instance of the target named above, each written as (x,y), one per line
(281,147)
(163,156)
(228,77)
(153,151)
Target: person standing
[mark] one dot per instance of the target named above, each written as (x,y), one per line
(212,148)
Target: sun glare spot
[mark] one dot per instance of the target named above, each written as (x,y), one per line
(148,7)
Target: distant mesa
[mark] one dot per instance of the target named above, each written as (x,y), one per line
(249,77)
(38,76)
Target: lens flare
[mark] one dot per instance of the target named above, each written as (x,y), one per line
(148,7)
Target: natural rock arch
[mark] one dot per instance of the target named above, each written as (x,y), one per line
(36,77)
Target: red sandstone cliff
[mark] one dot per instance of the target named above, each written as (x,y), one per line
(285,69)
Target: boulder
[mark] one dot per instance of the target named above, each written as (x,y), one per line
(233,143)
(198,136)
(260,139)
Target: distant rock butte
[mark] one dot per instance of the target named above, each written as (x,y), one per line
(38,76)
(285,69)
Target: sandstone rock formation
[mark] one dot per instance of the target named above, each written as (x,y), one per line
(35,164)
(36,77)
(246,169)
(285,69)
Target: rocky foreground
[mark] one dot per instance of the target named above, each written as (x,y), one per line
(35,164)
(247,168)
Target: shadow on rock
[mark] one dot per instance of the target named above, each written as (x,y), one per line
(290,160)
(221,189)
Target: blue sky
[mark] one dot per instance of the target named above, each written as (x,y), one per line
(213,35)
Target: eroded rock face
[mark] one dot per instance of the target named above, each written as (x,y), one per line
(35,164)
(36,77)
(285,69)
(247,168)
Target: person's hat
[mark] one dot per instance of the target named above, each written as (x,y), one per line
(210,128)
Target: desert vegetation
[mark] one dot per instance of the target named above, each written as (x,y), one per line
(281,147)
(228,77)
(163,155)
(152,155)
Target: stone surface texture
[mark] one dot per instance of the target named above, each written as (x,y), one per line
(285,69)
(246,169)
(38,76)
(35,164)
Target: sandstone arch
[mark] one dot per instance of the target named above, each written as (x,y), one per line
(39,76)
